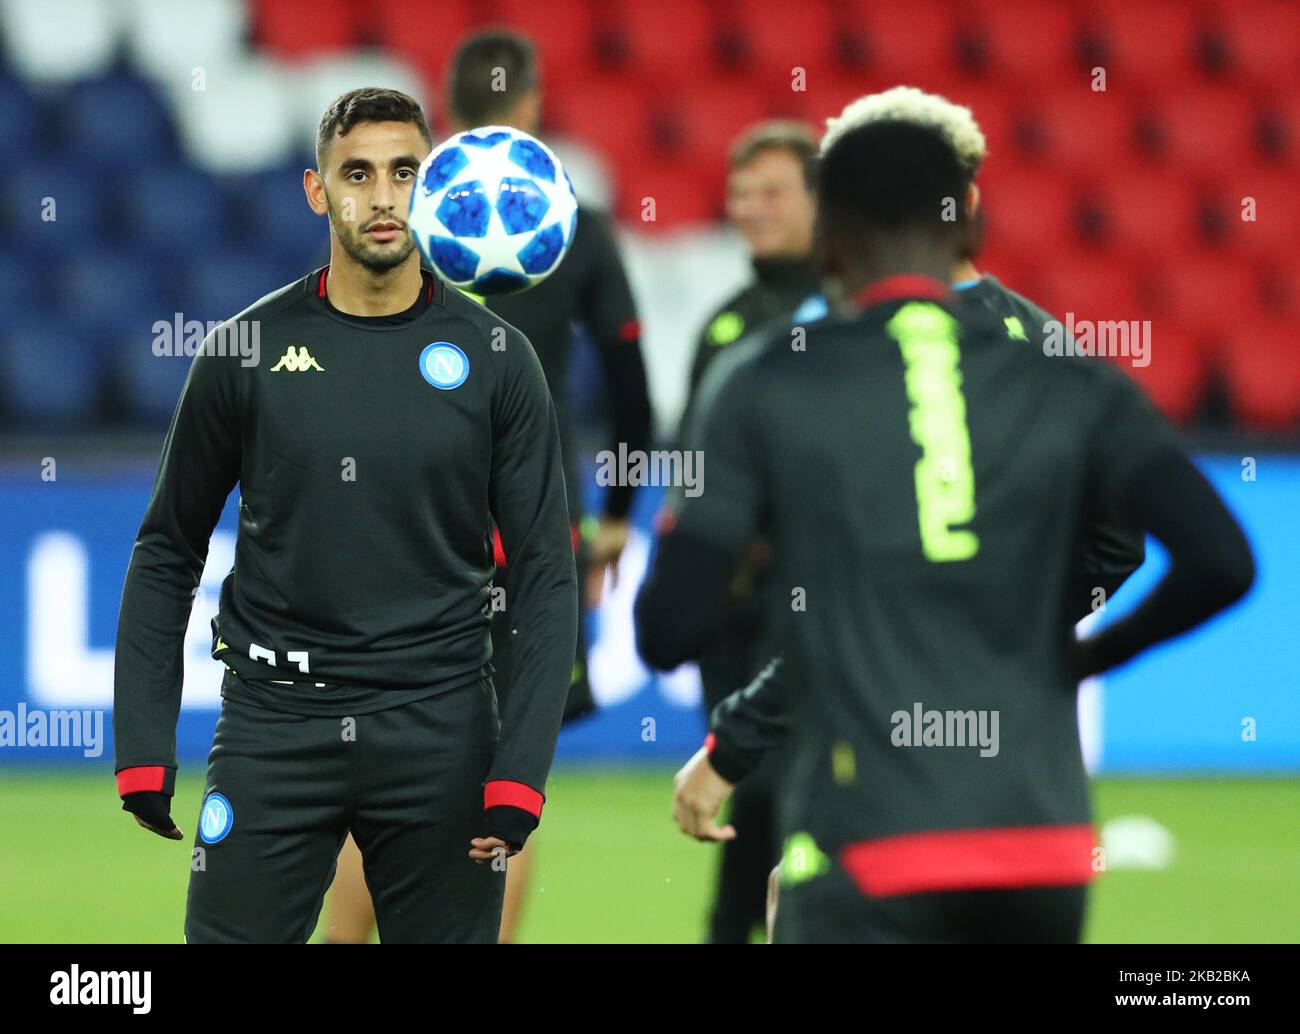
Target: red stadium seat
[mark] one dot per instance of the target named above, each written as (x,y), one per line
(1027,41)
(611,113)
(664,38)
(995,109)
(428,51)
(1027,210)
(1108,287)
(288,30)
(1263,41)
(1178,373)
(711,115)
(1281,124)
(1280,283)
(1150,212)
(1259,208)
(1206,129)
(564,32)
(1214,292)
(1144,42)
(1084,284)
(1085,131)
(778,36)
(678,192)
(904,41)
(826,94)
(1263,370)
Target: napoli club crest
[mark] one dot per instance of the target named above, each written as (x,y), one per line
(444,365)
(216,819)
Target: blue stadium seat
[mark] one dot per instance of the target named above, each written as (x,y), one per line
(274,219)
(172,211)
(147,385)
(121,293)
(22,283)
(51,368)
(220,284)
(119,122)
(52,208)
(20,118)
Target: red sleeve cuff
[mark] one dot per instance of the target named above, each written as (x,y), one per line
(500,792)
(710,741)
(143,777)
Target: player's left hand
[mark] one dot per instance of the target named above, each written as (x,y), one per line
(698,794)
(605,548)
(484,849)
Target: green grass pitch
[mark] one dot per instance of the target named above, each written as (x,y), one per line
(611,867)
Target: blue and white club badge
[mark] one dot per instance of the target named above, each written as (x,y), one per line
(444,365)
(216,819)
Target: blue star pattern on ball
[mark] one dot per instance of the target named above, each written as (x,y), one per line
(438,173)
(465,209)
(522,204)
(495,210)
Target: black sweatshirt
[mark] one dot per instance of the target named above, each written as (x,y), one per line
(372,457)
(589,288)
(925,484)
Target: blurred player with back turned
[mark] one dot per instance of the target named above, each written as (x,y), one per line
(1108,554)
(355,624)
(937,791)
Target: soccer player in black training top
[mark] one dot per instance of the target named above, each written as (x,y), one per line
(494,79)
(1109,552)
(937,792)
(374,444)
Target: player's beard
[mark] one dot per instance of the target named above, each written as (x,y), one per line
(377,258)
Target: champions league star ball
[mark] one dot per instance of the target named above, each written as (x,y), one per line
(493,211)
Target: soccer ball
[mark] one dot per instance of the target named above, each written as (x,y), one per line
(493,210)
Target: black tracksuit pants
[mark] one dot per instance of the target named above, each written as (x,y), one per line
(406,781)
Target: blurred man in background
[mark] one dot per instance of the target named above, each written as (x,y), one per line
(770,202)
(494,79)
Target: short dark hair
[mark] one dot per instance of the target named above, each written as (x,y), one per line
(368,104)
(778,135)
(490,71)
(893,175)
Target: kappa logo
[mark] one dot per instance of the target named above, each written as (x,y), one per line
(296,359)
(444,365)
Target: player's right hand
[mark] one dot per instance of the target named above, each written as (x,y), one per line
(152,810)
(698,794)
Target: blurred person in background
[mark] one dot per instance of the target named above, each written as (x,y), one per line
(495,79)
(770,202)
